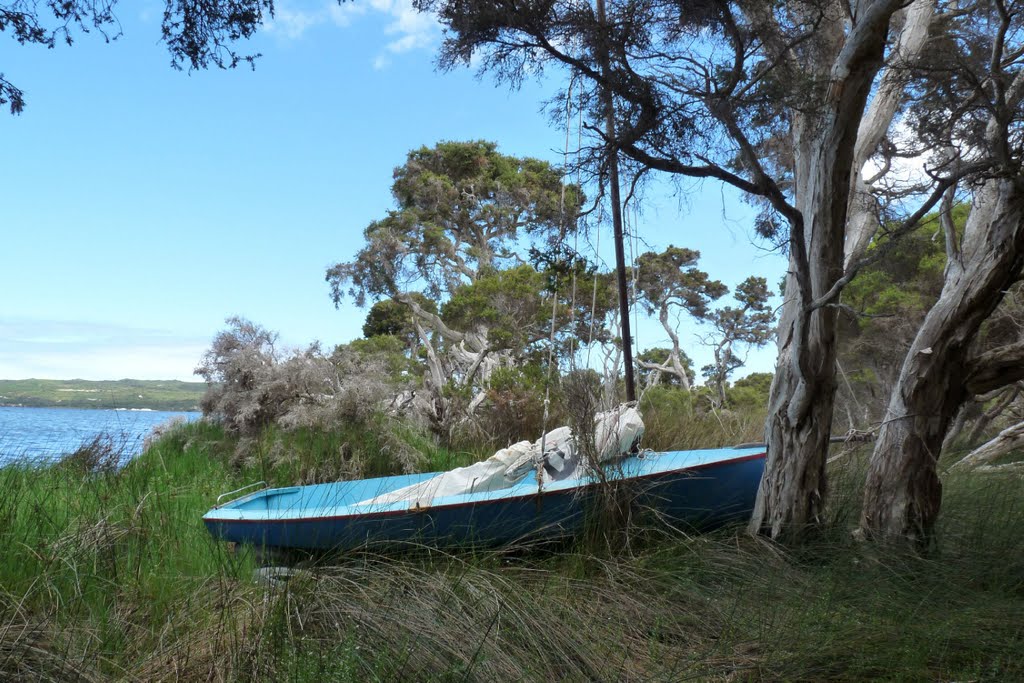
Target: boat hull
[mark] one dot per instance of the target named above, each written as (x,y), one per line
(698,496)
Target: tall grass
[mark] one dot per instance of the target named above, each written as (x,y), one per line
(675,421)
(108,575)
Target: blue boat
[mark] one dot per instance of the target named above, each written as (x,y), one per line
(697,489)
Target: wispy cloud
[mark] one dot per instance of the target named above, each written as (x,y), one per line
(406,31)
(61,349)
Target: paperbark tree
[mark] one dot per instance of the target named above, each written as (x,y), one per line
(671,282)
(749,325)
(653,369)
(465,216)
(770,98)
(970,112)
(903,493)
(198,33)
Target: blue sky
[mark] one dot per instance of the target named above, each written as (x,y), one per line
(142,206)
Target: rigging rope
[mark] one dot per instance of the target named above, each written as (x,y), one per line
(554,294)
(633,236)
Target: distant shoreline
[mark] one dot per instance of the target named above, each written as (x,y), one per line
(125,394)
(61,406)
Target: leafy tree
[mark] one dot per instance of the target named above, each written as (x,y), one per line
(671,282)
(198,33)
(748,325)
(465,213)
(463,209)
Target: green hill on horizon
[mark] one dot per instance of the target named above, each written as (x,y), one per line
(122,393)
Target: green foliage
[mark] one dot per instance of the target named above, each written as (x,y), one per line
(907,281)
(462,209)
(389,316)
(672,279)
(750,391)
(885,305)
(749,325)
(507,302)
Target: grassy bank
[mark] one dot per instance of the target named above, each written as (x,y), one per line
(108,575)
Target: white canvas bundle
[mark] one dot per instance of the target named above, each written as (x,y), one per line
(615,432)
(486,475)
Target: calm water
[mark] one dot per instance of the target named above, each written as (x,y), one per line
(47,433)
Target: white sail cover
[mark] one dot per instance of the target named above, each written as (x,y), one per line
(615,432)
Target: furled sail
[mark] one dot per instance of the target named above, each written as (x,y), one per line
(615,433)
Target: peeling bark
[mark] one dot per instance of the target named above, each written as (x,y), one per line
(792,492)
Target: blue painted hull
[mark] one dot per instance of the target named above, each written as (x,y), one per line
(698,489)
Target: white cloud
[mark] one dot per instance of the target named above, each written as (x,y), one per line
(292,23)
(410,30)
(343,15)
(59,349)
(904,170)
(415,29)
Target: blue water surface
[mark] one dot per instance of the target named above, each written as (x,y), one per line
(44,434)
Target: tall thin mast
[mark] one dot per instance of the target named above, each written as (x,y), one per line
(613,181)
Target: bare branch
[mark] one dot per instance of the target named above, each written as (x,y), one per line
(996,368)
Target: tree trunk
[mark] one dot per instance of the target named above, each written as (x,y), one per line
(674,361)
(1010,439)
(792,492)
(903,493)
(863,222)
(799,423)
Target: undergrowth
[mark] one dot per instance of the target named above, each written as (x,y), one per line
(107,574)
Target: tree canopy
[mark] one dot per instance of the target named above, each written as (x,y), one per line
(462,209)
(671,282)
(455,253)
(746,325)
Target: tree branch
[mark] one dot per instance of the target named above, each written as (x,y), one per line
(431,319)
(996,368)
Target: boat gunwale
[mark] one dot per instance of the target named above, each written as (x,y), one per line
(418,509)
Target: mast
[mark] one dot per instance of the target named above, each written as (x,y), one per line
(613,181)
